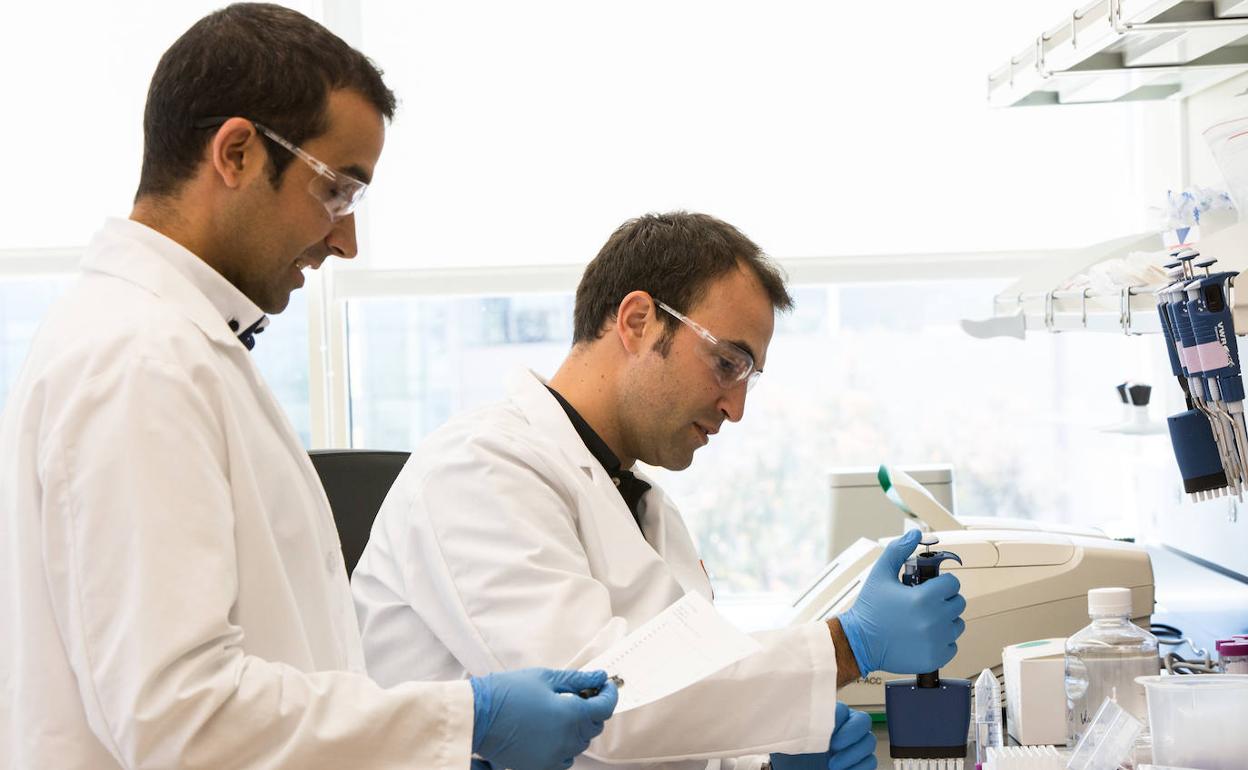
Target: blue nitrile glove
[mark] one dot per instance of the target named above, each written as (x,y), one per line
(852,746)
(533,719)
(900,628)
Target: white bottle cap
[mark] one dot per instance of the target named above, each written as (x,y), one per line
(1104,602)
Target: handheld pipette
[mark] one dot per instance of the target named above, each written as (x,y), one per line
(928,716)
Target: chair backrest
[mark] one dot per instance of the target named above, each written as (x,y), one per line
(356,482)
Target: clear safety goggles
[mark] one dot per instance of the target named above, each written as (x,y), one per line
(339,193)
(728,362)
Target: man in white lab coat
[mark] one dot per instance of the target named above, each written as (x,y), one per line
(519,534)
(171,581)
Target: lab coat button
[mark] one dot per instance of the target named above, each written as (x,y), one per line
(616,480)
(332,561)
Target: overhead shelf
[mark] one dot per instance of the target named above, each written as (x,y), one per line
(1127,50)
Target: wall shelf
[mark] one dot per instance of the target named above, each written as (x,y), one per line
(1133,310)
(1035,303)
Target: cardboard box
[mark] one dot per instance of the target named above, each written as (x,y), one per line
(1035,691)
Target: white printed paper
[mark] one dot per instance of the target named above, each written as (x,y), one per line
(683,644)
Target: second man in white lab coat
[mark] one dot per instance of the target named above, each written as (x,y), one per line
(519,535)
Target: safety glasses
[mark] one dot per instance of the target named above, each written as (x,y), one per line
(339,193)
(728,362)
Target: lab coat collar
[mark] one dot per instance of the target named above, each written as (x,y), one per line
(136,253)
(528,390)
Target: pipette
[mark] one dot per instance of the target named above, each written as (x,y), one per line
(928,716)
(1218,352)
(1198,386)
(1164,296)
(1198,451)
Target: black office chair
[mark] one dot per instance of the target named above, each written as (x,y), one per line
(356,482)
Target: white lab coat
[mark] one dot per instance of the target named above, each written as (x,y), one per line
(171,582)
(504,543)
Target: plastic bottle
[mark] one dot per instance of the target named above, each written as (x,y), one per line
(1103,660)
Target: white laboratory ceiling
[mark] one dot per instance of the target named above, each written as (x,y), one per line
(527,131)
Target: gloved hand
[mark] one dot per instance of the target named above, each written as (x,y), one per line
(852,746)
(524,720)
(900,628)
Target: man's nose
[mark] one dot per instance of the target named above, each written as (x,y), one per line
(341,238)
(732,403)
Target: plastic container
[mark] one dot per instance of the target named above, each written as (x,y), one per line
(1228,141)
(1233,655)
(1197,720)
(1104,659)
(1108,741)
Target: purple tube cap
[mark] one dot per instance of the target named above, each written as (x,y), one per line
(1235,647)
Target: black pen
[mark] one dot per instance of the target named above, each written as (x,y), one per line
(590,692)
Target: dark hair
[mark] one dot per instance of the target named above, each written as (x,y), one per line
(253,60)
(674,257)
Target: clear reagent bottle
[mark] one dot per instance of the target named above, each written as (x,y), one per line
(1103,660)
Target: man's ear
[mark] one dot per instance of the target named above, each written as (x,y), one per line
(634,318)
(236,152)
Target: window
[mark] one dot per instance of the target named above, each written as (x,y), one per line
(414,363)
(281,353)
(858,375)
(23,303)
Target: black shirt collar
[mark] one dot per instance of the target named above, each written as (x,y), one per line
(631,488)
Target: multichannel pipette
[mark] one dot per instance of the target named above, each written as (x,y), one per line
(1218,354)
(1200,455)
(1210,439)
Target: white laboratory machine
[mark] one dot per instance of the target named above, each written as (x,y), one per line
(1021,580)
(1019,585)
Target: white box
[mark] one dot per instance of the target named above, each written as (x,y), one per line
(1035,691)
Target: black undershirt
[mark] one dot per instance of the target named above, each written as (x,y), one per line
(629,486)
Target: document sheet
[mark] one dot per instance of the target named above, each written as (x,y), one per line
(683,644)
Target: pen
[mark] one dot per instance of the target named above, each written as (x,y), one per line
(590,692)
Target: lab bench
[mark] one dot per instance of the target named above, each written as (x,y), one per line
(1202,600)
